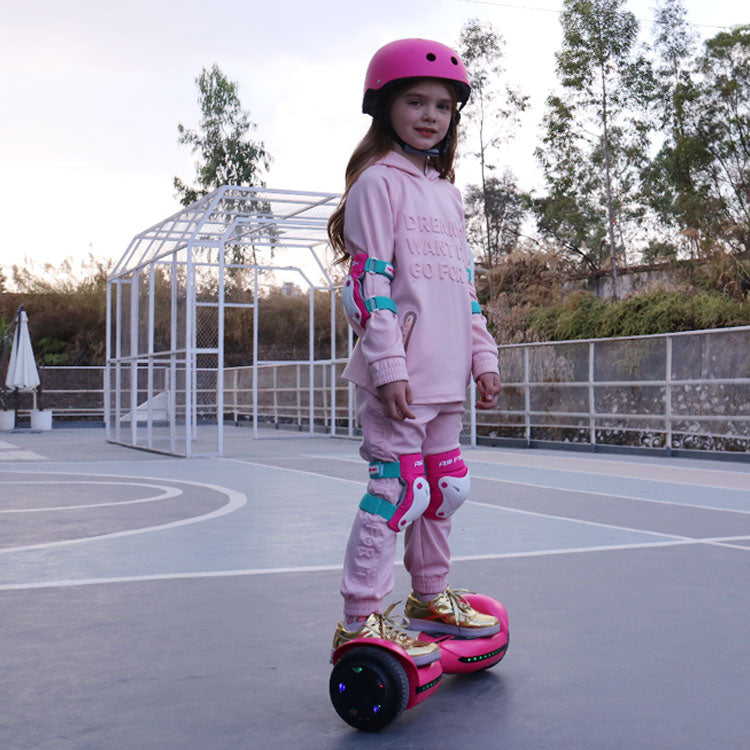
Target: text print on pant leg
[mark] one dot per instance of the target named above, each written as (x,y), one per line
(369,547)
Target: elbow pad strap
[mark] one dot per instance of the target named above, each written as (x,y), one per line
(381,303)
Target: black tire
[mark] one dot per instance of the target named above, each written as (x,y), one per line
(369,688)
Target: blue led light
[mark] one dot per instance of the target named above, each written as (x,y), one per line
(342,687)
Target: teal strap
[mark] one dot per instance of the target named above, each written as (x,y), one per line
(377,506)
(470,273)
(475,308)
(381,303)
(373,265)
(385,469)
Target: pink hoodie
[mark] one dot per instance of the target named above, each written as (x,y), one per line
(415,221)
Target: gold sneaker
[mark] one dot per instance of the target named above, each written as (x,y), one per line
(382,626)
(449,613)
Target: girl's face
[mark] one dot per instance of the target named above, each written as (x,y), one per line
(421,115)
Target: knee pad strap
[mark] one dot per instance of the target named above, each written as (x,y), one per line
(450,483)
(377,506)
(415,497)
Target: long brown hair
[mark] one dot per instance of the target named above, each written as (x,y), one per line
(374,146)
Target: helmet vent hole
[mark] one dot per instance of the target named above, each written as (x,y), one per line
(431,57)
(454,61)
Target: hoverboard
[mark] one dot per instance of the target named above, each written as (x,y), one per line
(374,680)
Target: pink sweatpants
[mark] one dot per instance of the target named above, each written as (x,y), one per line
(371,553)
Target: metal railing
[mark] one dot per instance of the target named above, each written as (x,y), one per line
(285,397)
(684,391)
(73,393)
(681,391)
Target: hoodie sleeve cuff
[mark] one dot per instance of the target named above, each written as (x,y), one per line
(388,370)
(484,362)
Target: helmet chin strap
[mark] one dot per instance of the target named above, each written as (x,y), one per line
(407,149)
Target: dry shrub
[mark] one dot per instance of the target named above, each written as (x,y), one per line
(283,328)
(526,279)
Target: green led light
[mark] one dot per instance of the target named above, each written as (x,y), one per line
(356,670)
(481,657)
(428,685)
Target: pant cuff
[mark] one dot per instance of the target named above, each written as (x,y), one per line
(429,584)
(362,607)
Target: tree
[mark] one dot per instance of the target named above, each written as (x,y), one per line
(719,117)
(571,213)
(699,182)
(494,214)
(598,128)
(493,109)
(669,185)
(228,156)
(675,45)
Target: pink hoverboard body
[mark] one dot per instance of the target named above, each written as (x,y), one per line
(463,655)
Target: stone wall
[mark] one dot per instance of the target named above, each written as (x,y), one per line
(633,280)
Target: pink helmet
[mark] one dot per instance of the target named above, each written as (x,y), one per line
(413,58)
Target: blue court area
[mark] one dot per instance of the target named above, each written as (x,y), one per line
(156,602)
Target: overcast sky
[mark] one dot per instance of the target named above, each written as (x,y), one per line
(93,90)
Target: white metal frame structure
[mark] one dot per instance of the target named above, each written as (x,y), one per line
(167,299)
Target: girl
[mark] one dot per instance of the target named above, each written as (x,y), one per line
(410,298)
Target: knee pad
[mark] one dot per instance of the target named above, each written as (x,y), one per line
(415,495)
(450,483)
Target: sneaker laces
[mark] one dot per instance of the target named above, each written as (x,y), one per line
(461,609)
(390,629)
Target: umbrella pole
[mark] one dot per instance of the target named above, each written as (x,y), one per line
(18,341)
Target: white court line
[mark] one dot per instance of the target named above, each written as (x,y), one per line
(286,469)
(11,452)
(335,568)
(167,492)
(236,501)
(536,462)
(592,470)
(500,507)
(557,456)
(716,542)
(553,488)
(677,537)
(576,520)
(637,498)
(500,465)
(20,455)
(674,541)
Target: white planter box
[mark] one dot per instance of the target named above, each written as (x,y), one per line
(41,420)
(7,420)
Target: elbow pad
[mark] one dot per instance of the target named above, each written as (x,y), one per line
(357,307)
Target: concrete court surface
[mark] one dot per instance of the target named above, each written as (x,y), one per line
(180,604)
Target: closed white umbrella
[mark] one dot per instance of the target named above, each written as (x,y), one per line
(22,372)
